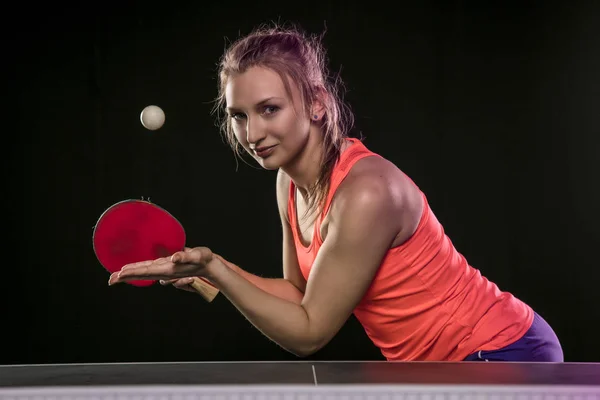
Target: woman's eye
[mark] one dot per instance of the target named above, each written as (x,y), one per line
(271,109)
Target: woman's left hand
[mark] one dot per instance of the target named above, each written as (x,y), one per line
(187,263)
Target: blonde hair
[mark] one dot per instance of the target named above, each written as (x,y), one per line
(302,59)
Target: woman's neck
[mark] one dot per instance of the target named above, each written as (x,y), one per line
(304,170)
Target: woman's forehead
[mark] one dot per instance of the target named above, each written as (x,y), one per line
(255,86)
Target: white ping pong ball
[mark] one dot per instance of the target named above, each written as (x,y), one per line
(152,117)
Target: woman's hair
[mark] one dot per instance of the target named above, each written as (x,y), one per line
(301,59)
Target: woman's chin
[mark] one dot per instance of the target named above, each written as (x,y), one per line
(268,164)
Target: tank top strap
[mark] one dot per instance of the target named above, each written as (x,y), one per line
(348,158)
(356,152)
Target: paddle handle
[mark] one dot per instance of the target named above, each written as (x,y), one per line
(206,290)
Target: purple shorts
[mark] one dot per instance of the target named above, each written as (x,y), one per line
(539,344)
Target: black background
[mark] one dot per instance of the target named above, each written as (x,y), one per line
(492,110)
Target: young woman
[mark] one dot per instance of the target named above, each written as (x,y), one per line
(359,235)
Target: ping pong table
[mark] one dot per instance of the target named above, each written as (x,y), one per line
(302,380)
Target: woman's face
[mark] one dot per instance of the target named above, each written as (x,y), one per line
(272,126)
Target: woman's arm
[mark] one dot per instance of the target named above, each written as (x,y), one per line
(359,234)
(362,226)
(279,287)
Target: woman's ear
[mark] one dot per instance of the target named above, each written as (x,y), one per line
(318,108)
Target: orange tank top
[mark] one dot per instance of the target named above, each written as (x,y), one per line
(425,303)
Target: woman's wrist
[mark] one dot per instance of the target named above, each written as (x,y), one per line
(213,269)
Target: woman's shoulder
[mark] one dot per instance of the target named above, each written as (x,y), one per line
(377,173)
(282,183)
(282,187)
(380,182)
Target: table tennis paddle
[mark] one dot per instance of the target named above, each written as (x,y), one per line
(138,230)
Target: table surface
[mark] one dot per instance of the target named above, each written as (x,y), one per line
(301,373)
